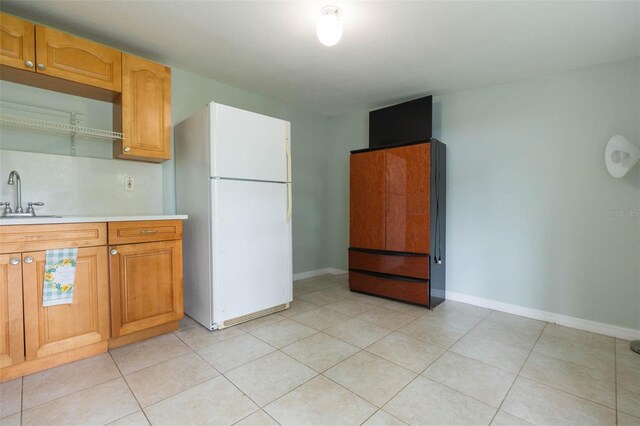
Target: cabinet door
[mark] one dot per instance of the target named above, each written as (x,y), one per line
(76,59)
(55,329)
(17,43)
(146,285)
(11,329)
(146,110)
(366,200)
(407,171)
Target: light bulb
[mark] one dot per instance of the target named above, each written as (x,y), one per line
(618,156)
(329,29)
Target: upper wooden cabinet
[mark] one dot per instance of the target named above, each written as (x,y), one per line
(73,58)
(145,111)
(17,40)
(47,51)
(139,89)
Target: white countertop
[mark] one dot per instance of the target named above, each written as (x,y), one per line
(84,219)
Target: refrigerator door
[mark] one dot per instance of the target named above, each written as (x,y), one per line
(246,145)
(252,260)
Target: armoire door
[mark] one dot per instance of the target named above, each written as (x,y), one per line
(11,327)
(407,171)
(367,200)
(56,329)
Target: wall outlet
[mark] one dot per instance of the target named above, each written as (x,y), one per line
(129,183)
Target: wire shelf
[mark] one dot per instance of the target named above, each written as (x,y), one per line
(56,128)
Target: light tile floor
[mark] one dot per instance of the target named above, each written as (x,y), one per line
(342,358)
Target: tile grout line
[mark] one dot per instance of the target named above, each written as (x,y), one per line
(130,390)
(615,376)
(578,365)
(518,373)
(21,398)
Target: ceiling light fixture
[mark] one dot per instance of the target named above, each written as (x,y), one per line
(329,29)
(620,156)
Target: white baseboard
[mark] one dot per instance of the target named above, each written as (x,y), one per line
(310,274)
(565,320)
(317,273)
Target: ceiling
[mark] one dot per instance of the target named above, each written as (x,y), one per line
(390,51)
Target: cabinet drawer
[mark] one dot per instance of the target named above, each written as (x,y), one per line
(408,290)
(21,238)
(144,231)
(405,265)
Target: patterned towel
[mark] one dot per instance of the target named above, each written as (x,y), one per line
(59,276)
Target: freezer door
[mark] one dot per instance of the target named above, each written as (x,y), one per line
(252,263)
(246,145)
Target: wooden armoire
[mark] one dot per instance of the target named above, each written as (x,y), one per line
(397,222)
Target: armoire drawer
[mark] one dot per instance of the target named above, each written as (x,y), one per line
(415,266)
(408,290)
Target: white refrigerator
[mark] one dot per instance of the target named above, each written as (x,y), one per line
(233,179)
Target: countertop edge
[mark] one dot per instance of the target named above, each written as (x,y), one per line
(88,219)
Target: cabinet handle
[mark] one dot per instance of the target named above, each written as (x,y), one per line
(113,252)
(29,64)
(148,231)
(28,259)
(126,149)
(42,67)
(14,261)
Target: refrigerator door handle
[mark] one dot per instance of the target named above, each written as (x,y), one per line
(289,203)
(287,150)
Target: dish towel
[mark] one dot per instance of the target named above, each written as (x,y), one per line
(59,276)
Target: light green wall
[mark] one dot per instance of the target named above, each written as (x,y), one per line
(92,113)
(309,146)
(528,192)
(191,92)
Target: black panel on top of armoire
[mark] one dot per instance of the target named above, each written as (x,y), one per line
(402,123)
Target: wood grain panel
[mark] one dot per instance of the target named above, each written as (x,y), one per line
(408,291)
(57,329)
(146,286)
(17,42)
(367,200)
(407,198)
(11,327)
(21,238)
(77,59)
(145,109)
(146,333)
(408,266)
(144,231)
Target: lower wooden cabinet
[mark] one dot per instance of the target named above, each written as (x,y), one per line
(11,326)
(122,293)
(146,286)
(56,329)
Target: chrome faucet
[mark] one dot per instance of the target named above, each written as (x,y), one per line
(16,175)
